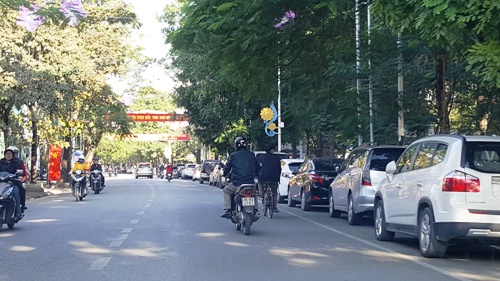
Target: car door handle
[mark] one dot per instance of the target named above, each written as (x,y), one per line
(399,186)
(419,184)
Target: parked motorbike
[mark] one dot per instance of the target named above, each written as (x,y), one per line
(243,207)
(7,200)
(169,176)
(96,181)
(78,189)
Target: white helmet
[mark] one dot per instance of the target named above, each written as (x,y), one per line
(14,149)
(81,157)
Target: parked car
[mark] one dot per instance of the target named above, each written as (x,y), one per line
(443,188)
(144,170)
(216,174)
(353,189)
(207,167)
(288,168)
(196,172)
(187,172)
(310,184)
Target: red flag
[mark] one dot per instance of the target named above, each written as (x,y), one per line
(55,153)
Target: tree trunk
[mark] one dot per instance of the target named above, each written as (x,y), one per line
(442,99)
(66,160)
(34,145)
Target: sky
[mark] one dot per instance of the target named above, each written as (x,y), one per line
(149,37)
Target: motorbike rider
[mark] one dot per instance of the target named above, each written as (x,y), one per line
(11,165)
(170,169)
(270,170)
(243,167)
(96,166)
(81,165)
(22,190)
(161,169)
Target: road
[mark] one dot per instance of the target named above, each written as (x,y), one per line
(151,229)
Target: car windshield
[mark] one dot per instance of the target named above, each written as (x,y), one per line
(483,156)
(144,166)
(382,156)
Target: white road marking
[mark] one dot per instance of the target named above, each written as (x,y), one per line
(398,255)
(100,263)
(127,230)
(134,221)
(146,206)
(123,237)
(141,213)
(116,243)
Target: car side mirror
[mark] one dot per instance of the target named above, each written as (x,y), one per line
(390,170)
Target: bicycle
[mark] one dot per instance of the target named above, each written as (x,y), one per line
(268,199)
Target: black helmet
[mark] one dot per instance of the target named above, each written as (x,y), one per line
(240,142)
(95,158)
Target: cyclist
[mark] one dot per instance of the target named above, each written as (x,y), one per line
(270,174)
(243,169)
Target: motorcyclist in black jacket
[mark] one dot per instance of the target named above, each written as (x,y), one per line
(11,165)
(97,166)
(243,169)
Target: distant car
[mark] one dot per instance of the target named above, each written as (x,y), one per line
(288,168)
(196,173)
(207,167)
(187,172)
(216,177)
(443,189)
(281,155)
(144,170)
(353,190)
(310,184)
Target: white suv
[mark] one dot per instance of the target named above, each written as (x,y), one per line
(442,188)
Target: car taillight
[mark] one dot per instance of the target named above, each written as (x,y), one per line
(457,181)
(317,178)
(366,180)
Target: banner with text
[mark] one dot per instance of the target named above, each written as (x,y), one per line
(157,117)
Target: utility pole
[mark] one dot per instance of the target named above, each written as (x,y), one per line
(401,120)
(370,95)
(358,70)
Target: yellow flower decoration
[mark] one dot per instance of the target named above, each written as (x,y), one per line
(267,113)
(272,127)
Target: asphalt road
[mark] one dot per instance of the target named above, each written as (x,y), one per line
(151,229)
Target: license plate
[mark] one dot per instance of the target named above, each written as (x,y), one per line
(495,180)
(248,201)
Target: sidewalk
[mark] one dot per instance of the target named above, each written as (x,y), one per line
(42,189)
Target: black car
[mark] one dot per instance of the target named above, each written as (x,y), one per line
(310,184)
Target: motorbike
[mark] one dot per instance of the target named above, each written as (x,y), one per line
(78,189)
(169,176)
(7,200)
(95,181)
(161,174)
(110,173)
(243,211)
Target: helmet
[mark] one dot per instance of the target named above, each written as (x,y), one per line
(240,142)
(81,158)
(12,149)
(95,159)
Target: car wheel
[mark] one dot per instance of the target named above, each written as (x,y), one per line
(136,177)
(201,181)
(429,245)
(291,202)
(352,217)
(303,202)
(281,199)
(381,232)
(331,207)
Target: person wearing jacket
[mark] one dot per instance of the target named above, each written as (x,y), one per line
(11,165)
(242,166)
(22,190)
(81,165)
(96,166)
(270,170)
